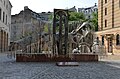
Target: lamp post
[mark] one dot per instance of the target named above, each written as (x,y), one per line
(40,43)
(30,43)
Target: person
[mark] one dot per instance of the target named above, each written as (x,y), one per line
(75,50)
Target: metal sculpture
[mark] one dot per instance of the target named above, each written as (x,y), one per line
(84,38)
(60,38)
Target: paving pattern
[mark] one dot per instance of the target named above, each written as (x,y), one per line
(9,69)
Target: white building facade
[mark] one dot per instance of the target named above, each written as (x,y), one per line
(88,11)
(5,24)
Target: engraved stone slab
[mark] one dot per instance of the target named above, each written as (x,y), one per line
(67,64)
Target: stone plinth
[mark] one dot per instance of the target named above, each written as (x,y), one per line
(44,58)
(85,57)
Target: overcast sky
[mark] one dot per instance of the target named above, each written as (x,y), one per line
(49,5)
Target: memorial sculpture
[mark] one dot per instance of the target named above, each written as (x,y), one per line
(61,44)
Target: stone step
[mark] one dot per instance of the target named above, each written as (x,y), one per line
(112,57)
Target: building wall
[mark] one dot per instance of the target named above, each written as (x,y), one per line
(108,16)
(100,14)
(45,16)
(116,13)
(5,24)
(27,29)
(24,24)
(112,27)
(113,10)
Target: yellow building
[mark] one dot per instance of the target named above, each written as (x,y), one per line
(109,25)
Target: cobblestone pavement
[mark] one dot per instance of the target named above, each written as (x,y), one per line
(9,69)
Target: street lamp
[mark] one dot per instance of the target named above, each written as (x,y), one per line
(30,43)
(39,39)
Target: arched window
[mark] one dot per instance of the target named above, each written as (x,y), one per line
(117,39)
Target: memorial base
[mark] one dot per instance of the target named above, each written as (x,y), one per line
(61,58)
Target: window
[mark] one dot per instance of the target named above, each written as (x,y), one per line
(0,13)
(102,40)
(4,3)
(88,11)
(3,17)
(117,39)
(6,19)
(105,1)
(98,40)
(105,23)
(89,17)
(105,11)
(7,6)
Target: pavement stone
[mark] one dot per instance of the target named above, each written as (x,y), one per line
(9,69)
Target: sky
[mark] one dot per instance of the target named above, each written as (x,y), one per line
(48,5)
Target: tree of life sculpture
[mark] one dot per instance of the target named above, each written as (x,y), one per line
(60,32)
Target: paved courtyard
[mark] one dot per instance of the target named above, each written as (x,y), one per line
(9,69)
